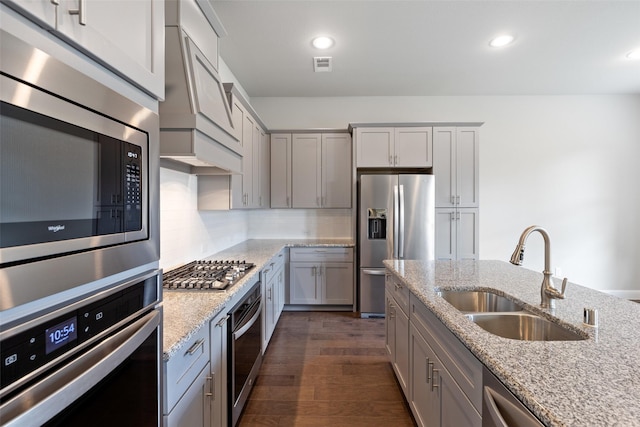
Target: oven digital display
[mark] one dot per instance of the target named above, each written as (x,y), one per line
(61,334)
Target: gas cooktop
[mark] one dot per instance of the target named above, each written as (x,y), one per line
(205,275)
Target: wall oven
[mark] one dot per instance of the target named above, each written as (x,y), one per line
(96,361)
(245,354)
(79,180)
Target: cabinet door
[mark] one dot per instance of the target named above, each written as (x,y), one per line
(337,283)
(125,35)
(390,326)
(456,409)
(457,233)
(445,233)
(265,170)
(280,293)
(247,160)
(194,407)
(444,166)
(401,362)
(219,371)
(281,170)
(336,170)
(467,224)
(424,401)
(467,155)
(413,147)
(256,195)
(304,283)
(374,147)
(306,170)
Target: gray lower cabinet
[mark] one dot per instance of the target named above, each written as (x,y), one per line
(441,378)
(273,296)
(196,379)
(321,276)
(187,383)
(218,334)
(397,326)
(445,377)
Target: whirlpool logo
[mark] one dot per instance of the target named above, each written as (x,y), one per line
(56,228)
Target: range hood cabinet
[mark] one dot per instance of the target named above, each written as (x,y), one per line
(196,125)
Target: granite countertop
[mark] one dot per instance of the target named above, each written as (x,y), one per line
(594,382)
(185,312)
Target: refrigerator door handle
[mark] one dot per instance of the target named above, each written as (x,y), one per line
(395,221)
(401,229)
(376,272)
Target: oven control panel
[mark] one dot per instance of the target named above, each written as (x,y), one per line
(35,347)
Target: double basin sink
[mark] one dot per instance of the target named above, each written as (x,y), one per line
(506,318)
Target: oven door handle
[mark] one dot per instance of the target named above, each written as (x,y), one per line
(63,387)
(240,332)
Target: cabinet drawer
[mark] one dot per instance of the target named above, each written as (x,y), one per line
(399,292)
(463,366)
(183,368)
(321,254)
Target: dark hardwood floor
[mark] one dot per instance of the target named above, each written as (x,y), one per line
(326,369)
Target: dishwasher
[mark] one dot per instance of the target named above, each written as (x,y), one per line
(500,408)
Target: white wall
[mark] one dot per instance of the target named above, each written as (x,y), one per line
(567,163)
(188,234)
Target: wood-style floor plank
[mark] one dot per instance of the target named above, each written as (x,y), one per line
(326,369)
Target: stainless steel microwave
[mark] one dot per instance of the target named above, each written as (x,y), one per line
(79,177)
(70,179)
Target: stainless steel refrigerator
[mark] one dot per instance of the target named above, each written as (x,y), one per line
(396,219)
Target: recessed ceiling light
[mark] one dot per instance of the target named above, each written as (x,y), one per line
(634,54)
(502,40)
(322,42)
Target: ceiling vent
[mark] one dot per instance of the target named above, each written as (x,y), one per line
(322,64)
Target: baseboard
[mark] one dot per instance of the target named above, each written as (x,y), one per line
(626,294)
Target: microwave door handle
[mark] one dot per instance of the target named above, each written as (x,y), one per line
(240,332)
(54,393)
(395,221)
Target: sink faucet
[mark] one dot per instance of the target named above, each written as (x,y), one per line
(548,293)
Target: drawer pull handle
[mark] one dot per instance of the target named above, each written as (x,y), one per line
(195,347)
(434,382)
(222,321)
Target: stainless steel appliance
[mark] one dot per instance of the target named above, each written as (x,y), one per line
(245,354)
(96,361)
(500,408)
(206,275)
(79,182)
(396,220)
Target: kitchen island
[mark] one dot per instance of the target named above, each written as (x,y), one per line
(590,382)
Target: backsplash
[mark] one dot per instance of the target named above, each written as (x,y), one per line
(187,234)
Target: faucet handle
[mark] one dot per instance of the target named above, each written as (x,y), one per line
(564,285)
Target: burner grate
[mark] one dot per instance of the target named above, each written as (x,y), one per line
(205,275)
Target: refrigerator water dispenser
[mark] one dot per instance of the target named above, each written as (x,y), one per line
(377,223)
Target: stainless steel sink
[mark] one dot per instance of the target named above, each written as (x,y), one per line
(523,326)
(478,301)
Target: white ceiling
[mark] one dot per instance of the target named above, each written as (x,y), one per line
(429,47)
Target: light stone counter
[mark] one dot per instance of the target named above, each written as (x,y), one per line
(595,382)
(185,312)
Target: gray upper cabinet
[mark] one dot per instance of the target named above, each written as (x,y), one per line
(281,170)
(126,36)
(456,166)
(395,147)
(320,168)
